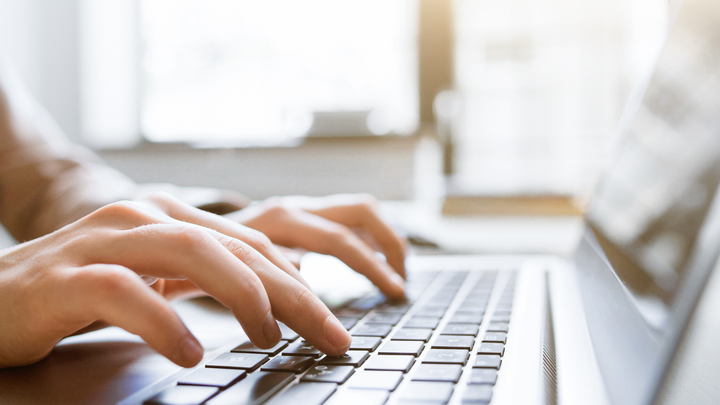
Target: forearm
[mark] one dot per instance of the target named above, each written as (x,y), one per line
(45,181)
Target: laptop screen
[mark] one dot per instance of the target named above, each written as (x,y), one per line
(654,220)
(648,209)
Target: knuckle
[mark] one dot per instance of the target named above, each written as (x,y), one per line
(339,233)
(275,208)
(118,210)
(190,238)
(161,199)
(303,298)
(108,280)
(254,289)
(246,253)
(235,246)
(367,201)
(259,240)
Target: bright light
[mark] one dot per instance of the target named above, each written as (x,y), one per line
(229,70)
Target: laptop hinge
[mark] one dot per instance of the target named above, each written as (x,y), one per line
(548,351)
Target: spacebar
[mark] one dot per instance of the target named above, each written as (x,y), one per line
(256,388)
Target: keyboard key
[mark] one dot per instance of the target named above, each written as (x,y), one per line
(347,322)
(454,342)
(498,327)
(256,388)
(302,348)
(329,374)
(216,377)
(445,295)
(385,319)
(248,347)
(472,306)
(390,363)
(182,395)
(447,356)
(350,313)
(502,311)
(379,380)
(470,311)
(492,348)
(440,305)
(411,347)
(353,358)
(430,311)
(483,376)
(476,299)
(293,364)
(359,397)
(392,308)
(422,322)
(495,337)
(413,334)
(367,303)
(466,329)
(305,394)
(373,330)
(501,318)
(487,361)
(365,343)
(438,372)
(243,361)
(466,318)
(477,394)
(423,391)
(443,298)
(287,333)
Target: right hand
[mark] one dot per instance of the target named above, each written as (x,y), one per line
(91,271)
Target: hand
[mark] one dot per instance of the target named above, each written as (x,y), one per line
(90,271)
(325,225)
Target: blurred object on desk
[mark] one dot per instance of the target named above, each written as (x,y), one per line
(500,205)
(484,234)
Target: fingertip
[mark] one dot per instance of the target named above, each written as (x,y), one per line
(400,269)
(398,287)
(337,335)
(271,331)
(191,353)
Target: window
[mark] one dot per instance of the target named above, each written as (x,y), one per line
(229,71)
(543,84)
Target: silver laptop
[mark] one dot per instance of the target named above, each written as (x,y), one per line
(599,328)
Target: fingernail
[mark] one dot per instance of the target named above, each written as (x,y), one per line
(336,333)
(192,352)
(271,330)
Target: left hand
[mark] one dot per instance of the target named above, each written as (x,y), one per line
(347,226)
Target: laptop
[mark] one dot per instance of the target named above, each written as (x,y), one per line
(601,327)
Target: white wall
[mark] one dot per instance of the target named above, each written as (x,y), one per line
(40,39)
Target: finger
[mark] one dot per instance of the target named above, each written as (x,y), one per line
(363,214)
(320,235)
(178,251)
(118,296)
(179,289)
(295,305)
(183,212)
(293,255)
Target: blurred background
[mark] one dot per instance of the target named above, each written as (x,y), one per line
(325,96)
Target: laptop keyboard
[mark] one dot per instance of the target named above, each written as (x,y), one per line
(420,351)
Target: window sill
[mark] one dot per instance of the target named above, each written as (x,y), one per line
(380,165)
